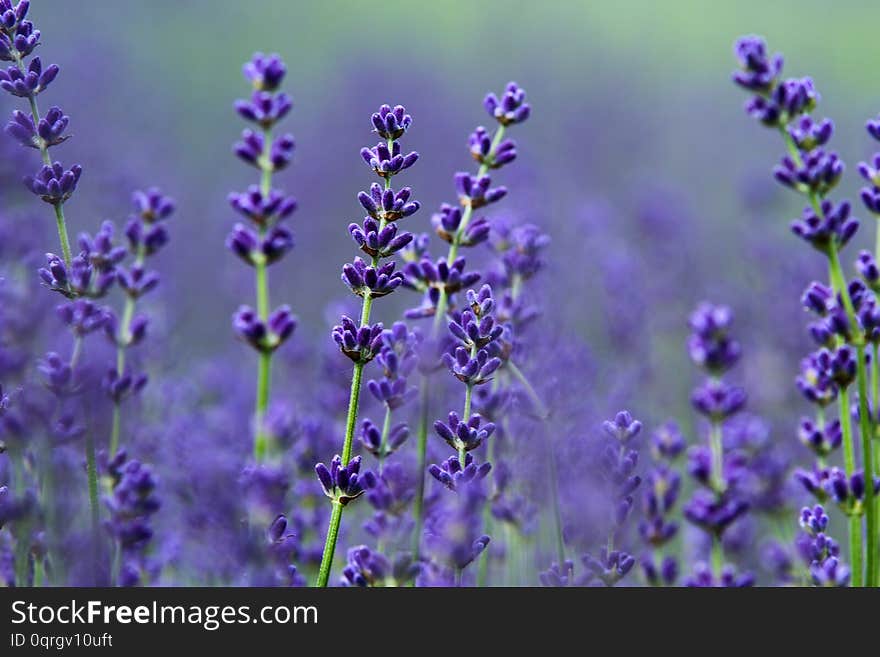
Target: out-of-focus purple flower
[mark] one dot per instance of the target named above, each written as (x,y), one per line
(718,400)
(511,108)
(610,567)
(703,578)
(476,191)
(758,72)
(667,442)
(265,72)
(264,336)
(709,344)
(54,184)
(453,476)
(623,427)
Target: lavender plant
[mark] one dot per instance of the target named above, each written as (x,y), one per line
(379,238)
(266,208)
(846,311)
(439,281)
(147,233)
(26,78)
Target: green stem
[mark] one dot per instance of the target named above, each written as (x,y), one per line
(716,449)
(866,430)
(329,545)
(383,444)
(350,422)
(849,459)
(264,363)
(537,402)
(717,557)
(849,454)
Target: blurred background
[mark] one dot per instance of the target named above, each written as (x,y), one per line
(638,161)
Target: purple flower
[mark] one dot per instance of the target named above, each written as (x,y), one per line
(265,72)
(454,477)
(709,345)
(391,123)
(511,108)
(712,513)
(833,228)
(152,205)
(370,281)
(371,438)
(464,436)
(818,172)
(610,567)
(471,370)
(48,132)
(718,400)
(729,578)
(262,210)
(344,484)
(822,440)
(388,205)
(253,249)
(264,336)
(264,108)
(808,134)
(480,145)
(623,427)
(759,72)
(476,191)
(54,184)
(360,344)
(30,82)
(387,161)
(252,149)
(667,442)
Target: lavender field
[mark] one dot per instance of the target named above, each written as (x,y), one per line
(314,295)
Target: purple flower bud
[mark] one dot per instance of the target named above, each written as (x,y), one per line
(53,183)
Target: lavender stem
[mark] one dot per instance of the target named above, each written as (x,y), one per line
(866,430)
(60,221)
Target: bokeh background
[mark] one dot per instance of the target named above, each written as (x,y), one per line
(638,161)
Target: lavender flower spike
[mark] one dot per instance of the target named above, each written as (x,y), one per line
(378,237)
(26,78)
(267,239)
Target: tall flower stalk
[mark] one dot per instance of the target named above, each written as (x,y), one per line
(848,314)
(718,504)
(460,228)
(27,79)
(147,233)
(267,239)
(379,238)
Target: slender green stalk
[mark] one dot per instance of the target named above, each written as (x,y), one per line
(350,423)
(716,449)
(483,568)
(866,430)
(717,557)
(264,363)
(439,317)
(124,339)
(383,443)
(849,458)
